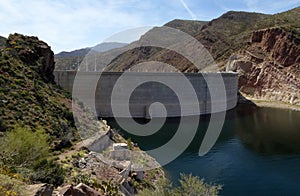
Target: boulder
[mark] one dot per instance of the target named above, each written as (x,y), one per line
(40,190)
(79,190)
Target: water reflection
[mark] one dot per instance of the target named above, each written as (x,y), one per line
(257,153)
(267,130)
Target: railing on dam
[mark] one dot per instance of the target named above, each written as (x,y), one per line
(167,88)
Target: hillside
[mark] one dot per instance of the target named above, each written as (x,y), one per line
(221,37)
(27,91)
(39,142)
(36,119)
(70,60)
(191,27)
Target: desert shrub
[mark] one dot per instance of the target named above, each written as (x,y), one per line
(189,186)
(193,185)
(47,171)
(108,188)
(10,186)
(26,152)
(3,125)
(21,147)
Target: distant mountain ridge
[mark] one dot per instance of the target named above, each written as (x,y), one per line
(68,59)
(221,37)
(191,27)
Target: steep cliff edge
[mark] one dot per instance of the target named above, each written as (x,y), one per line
(269,67)
(28,95)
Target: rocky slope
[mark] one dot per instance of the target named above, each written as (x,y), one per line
(269,67)
(27,91)
(30,100)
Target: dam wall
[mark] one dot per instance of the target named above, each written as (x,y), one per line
(176,96)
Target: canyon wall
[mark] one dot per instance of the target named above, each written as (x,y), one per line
(269,67)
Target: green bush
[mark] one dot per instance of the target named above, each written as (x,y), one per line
(25,152)
(47,171)
(193,185)
(21,147)
(10,186)
(189,186)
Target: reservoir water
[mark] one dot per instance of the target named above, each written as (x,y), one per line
(257,153)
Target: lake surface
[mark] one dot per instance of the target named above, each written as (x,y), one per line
(257,153)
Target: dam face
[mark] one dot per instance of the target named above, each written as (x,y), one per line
(145,94)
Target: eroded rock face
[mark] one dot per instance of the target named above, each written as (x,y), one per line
(269,68)
(35,53)
(283,48)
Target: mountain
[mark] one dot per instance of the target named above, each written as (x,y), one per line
(263,48)
(71,59)
(191,27)
(105,46)
(75,53)
(221,37)
(230,39)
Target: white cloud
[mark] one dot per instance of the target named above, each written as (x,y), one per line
(67,24)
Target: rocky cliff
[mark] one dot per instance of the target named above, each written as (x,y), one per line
(269,67)
(28,94)
(35,53)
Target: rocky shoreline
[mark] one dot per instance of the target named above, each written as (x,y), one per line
(267,103)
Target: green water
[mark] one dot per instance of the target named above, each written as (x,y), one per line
(257,153)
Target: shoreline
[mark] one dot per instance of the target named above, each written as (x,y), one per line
(267,103)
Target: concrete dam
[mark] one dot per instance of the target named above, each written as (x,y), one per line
(152,94)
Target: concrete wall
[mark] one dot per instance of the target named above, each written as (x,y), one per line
(150,92)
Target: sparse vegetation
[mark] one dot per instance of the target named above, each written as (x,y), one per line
(221,37)
(25,153)
(188,185)
(27,96)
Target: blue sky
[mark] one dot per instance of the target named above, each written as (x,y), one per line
(72,24)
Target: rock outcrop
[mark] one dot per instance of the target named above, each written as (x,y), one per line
(40,190)
(79,190)
(269,68)
(30,50)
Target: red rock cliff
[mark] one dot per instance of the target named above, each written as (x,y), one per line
(269,67)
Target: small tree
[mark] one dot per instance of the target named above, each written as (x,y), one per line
(21,147)
(129,144)
(26,152)
(193,185)
(189,186)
